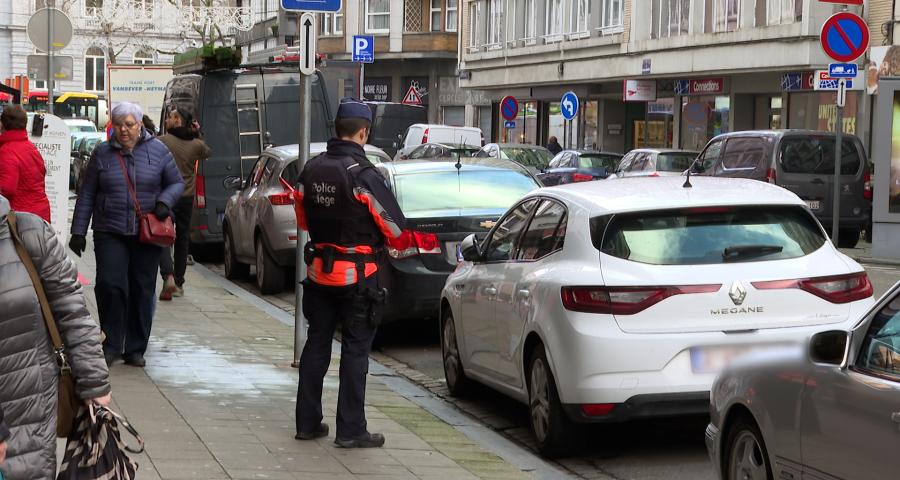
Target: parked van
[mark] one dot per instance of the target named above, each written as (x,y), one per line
(420,133)
(801,161)
(241,111)
(390,120)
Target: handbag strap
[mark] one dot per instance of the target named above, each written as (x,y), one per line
(137,204)
(38,288)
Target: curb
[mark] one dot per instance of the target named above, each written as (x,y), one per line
(519,457)
(875,261)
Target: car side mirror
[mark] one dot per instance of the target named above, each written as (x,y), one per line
(395,145)
(469,249)
(233,183)
(829,348)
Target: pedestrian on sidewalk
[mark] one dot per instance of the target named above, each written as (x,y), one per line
(132,163)
(553,145)
(188,150)
(349,212)
(28,366)
(22,169)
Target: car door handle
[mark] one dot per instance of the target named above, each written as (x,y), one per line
(524,294)
(490,291)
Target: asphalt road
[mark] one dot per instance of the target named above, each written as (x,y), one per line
(670,449)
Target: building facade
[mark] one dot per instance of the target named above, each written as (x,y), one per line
(714,66)
(109,31)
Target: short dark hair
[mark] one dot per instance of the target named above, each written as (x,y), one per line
(14,118)
(348,127)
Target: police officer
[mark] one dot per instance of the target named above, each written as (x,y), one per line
(349,212)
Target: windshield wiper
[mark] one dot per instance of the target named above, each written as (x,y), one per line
(736,252)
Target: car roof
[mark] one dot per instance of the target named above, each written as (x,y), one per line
(779,133)
(658,193)
(292,151)
(450,145)
(77,121)
(519,145)
(582,151)
(403,167)
(438,125)
(664,150)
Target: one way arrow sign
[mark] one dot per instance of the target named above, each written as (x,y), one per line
(308,43)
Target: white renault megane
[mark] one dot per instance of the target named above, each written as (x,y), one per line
(608,301)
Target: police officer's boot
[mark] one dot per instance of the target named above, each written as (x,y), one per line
(366,440)
(319,432)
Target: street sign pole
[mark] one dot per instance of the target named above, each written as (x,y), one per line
(362,81)
(838,128)
(50,63)
(307,59)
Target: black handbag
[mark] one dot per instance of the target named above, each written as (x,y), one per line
(95,449)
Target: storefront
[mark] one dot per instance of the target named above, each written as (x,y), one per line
(705,110)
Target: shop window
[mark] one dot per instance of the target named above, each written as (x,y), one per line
(591,124)
(817,111)
(778,12)
(702,118)
(455,116)
(670,18)
(723,15)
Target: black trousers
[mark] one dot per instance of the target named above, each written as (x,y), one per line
(181,214)
(325,308)
(125,290)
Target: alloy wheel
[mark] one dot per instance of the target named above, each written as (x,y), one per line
(747,462)
(539,401)
(227,250)
(451,353)
(260,264)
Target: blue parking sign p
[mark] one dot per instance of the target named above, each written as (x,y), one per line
(363,48)
(311,5)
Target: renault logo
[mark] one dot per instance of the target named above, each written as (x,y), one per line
(738,293)
(488,224)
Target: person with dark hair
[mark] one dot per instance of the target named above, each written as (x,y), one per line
(553,145)
(349,213)
(188,151)
(149,125)
(22,169)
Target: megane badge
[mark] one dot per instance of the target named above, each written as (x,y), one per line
(738,293)
(488,224)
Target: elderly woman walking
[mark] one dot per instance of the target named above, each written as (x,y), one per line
(132,161)
(28,368)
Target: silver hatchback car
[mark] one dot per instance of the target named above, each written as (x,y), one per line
(830,411)
(260,227)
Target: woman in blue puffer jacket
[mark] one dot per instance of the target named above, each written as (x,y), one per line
(126,268)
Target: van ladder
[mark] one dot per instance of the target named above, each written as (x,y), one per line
(248,108)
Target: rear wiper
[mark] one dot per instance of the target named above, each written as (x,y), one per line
(735,252)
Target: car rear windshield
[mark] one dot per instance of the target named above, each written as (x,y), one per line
(675,162)
(530,157)
(434,193)
(815,155)
(709,235)
(594,160)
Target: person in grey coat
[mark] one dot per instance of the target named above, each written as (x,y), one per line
(126,268)
(28,368)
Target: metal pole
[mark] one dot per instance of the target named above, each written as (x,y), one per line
(647,125)
(836,202)
(300,323)
(362,80)
(49,61)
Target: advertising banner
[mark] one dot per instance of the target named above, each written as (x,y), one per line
(55,146)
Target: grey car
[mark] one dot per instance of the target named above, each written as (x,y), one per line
(573,166)
(801,161)
(533,157)
(828,411)
(260,227)
(655,162)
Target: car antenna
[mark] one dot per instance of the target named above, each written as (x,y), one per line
(687,182)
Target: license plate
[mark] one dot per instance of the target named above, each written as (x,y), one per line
(813,204)
(715,359)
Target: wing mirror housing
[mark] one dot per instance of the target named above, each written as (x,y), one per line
(233,183)
(469,249)
(830,347)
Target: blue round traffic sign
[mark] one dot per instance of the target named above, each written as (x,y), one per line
(509,108)
(568,105)
(845,37)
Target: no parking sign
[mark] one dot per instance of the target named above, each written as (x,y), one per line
(845,37)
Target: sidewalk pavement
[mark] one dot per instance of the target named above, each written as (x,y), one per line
(862,253)
(216,401)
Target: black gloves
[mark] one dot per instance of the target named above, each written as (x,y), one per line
(77,244)
(161,211)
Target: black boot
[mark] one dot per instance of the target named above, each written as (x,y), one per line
(366,440)
(321,431)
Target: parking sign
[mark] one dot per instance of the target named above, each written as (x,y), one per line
(311,5)
(363,48)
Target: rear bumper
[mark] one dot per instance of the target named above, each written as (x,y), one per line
(206,227)
(414,291)
(647,406)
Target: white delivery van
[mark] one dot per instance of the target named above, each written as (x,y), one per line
(420,133)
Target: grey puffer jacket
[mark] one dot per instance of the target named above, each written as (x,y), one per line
(28,370)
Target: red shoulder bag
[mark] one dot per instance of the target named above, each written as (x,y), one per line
(152,230)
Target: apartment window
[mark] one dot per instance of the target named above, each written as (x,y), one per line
(778,12)
(611,16)
(495,21)
(142,57)
(94,70)
(435,15)
(722,15)
(474,12)
(452,18)
(670,18)
(91,7)
(378,16)
(582,15)
(332,23)
(530,19)
(554,24)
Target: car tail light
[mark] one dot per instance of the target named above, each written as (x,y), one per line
(425,137)
(624,300)
(597,409)
(770,175)
(200,191)
(654,174)
(835,289)
(284,198)
(582,177)
(867,189)
(411,243)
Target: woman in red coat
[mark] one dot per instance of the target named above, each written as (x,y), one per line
(22,169)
